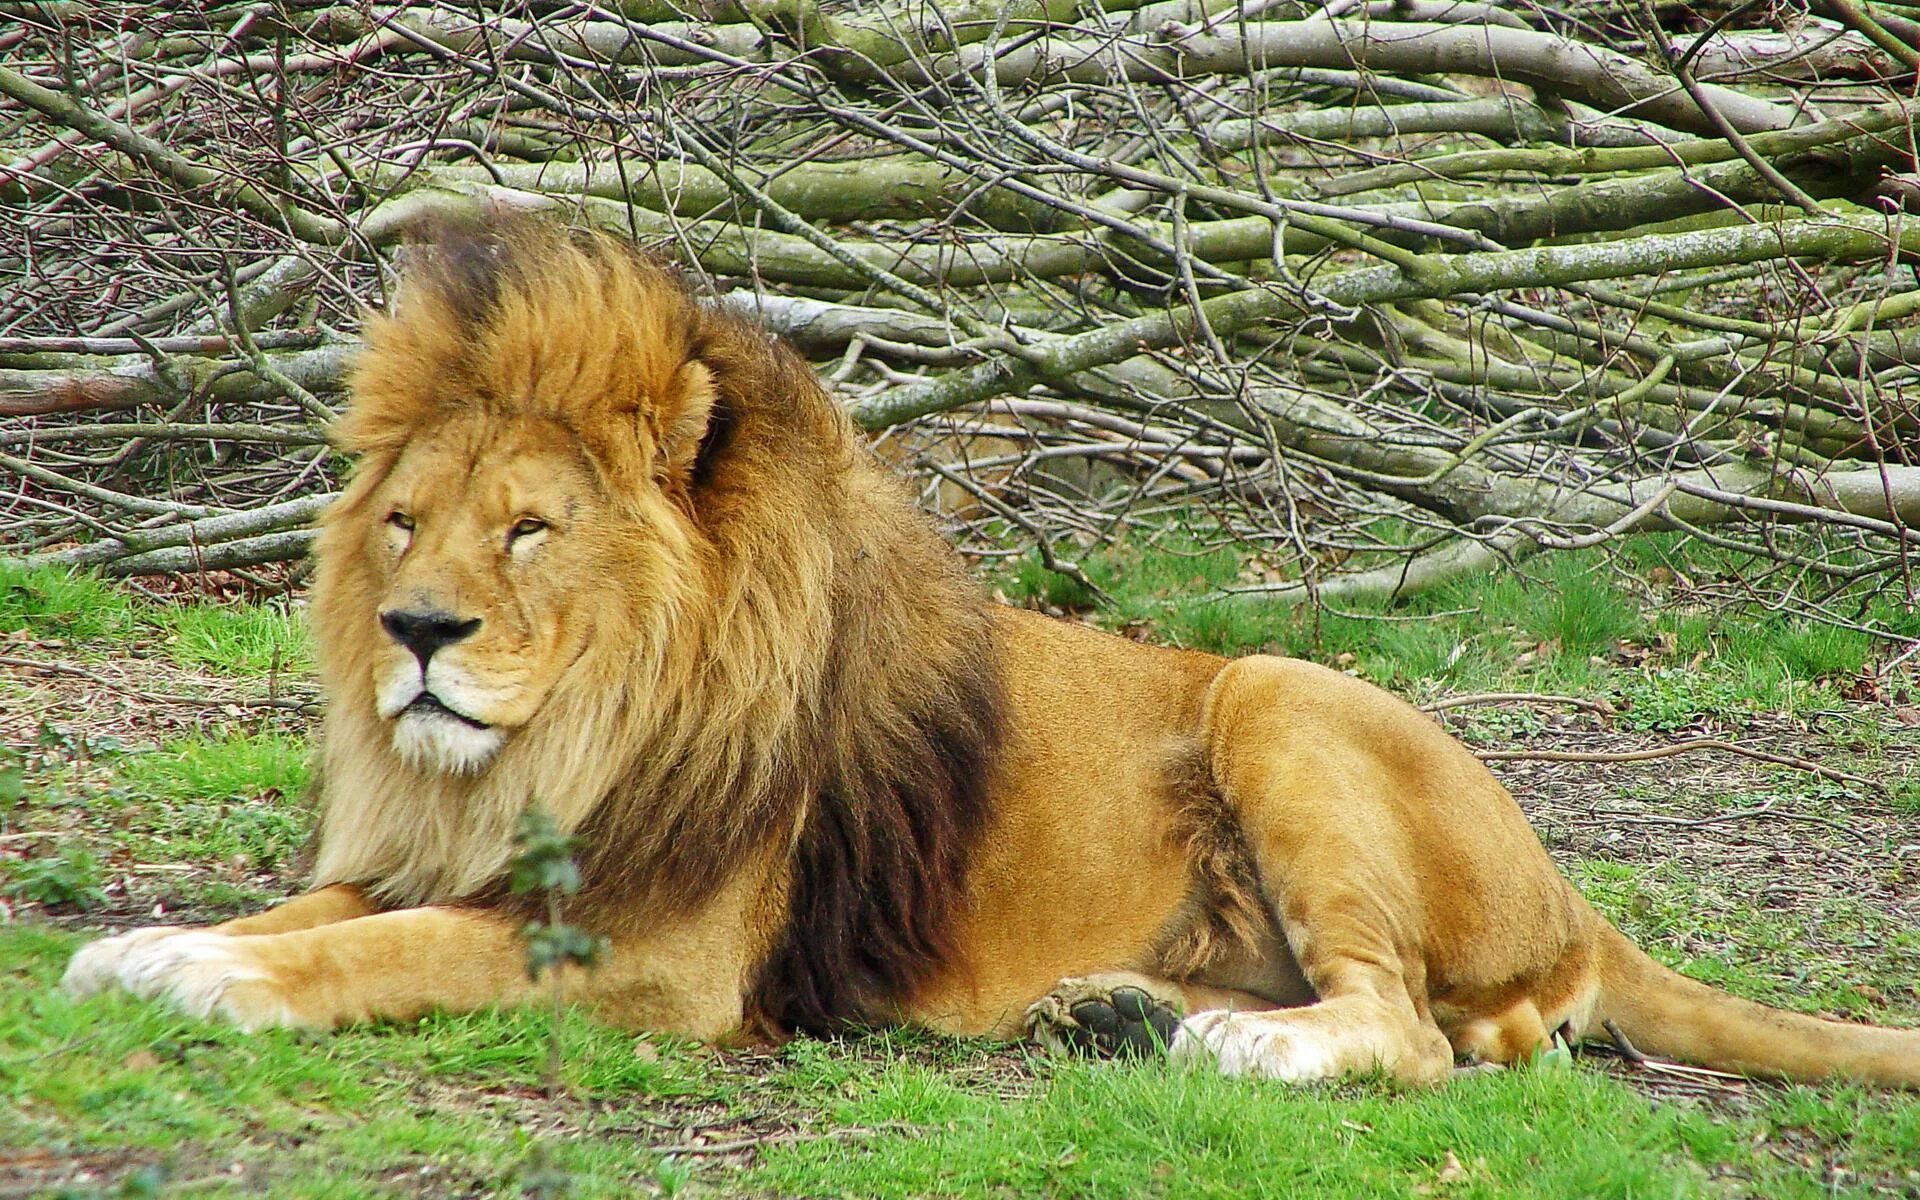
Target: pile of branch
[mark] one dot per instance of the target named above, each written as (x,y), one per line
(1390,292)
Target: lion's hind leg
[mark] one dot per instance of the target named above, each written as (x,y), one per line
(1324,776)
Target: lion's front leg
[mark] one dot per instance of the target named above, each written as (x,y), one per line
(403,964)
(324,906)
(397,965)
(101,964)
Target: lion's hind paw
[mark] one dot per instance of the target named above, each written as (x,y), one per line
(1108,1016)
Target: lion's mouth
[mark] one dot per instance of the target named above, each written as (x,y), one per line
(427,703)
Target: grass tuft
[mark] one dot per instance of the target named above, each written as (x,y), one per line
(219,767)
(58,604)
(238,639)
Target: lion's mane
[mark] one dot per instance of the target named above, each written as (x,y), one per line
(790,662)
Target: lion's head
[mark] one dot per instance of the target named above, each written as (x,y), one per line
(514,481)
(531,576)
(612,551)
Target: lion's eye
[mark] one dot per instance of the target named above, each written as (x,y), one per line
(400,520)
(525,526)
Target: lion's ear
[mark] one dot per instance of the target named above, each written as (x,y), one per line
(685,416)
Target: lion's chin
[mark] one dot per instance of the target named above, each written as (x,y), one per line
(442,742)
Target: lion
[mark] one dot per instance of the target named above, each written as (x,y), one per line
(616,553)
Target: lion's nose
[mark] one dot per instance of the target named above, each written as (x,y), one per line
(425,632)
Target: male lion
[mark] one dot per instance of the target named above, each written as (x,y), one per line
(614,552)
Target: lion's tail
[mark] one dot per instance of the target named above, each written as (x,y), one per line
(1670,1016)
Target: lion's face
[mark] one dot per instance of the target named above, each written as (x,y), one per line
(481,546)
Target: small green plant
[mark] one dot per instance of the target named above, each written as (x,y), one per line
(544,869)
(141,1183)
(1903,794)
(1220,626)
(1034,580)
(1671,699)
(541,1178)
(1495,725)
(1404,651)
(1802,650)
(1579,607)
(672,1176)
(70,876)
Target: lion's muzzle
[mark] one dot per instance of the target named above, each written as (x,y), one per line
(435,708)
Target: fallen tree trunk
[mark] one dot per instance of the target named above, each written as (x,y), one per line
(1415,290)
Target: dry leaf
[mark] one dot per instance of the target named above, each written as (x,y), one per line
(141,1060)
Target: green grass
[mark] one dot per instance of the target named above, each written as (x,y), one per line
(1566,622)
(455,1104)
(1097,1132)
(238,639)
(68,876)
(233,638)
(228,800)
(1827,955)
(441,1106)
(217,768)
(222,800)
(61,604)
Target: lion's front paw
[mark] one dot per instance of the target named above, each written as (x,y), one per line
(207,974)
(97,966)
(1112,1015)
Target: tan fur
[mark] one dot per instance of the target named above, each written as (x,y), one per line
(818,778)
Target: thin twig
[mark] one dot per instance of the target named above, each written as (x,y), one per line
(755,1142)
(72,672)
(1687,747)
(1602,707)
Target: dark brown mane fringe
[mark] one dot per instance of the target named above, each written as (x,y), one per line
(882,863)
